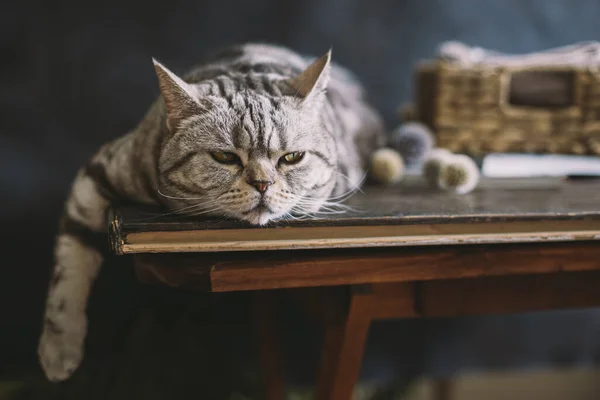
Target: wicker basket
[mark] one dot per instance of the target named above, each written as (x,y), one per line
(477,110)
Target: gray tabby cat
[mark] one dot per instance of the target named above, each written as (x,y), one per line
(257,133)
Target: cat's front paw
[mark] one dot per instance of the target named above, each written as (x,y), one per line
(61,346)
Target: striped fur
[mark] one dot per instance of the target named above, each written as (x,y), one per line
(256,101)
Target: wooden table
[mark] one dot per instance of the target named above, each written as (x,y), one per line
(406,252)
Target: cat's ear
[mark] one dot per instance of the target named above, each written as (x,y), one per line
(313,79)
(181,98)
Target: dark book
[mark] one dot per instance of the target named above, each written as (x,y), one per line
(407,214)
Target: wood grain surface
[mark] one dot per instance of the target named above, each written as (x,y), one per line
(293,269)
(509,294)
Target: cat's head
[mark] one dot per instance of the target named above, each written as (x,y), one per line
(250,147)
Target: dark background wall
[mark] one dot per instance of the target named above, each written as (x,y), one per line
(74,74)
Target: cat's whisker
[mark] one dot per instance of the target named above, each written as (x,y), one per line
(178,211)
(347,194)
(315,202)
(328,206)
(196,214)
(205,98)
(177,198)
(288,216)
(350,192)
(300,208)
(191,210)
(305,202)
(183,211)
(303,216)
(330,211)
(358,185)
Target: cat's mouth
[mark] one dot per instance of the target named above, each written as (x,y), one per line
(260,208)
(260,214)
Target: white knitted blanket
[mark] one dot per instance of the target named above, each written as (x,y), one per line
(583,55)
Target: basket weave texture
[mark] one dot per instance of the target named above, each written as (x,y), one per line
(470,111)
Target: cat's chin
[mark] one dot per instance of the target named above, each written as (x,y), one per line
(259,215)
(258,218)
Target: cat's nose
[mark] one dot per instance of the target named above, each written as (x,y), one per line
(261,186)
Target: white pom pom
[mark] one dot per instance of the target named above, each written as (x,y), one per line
(458,174)
(436,159)
(387,166)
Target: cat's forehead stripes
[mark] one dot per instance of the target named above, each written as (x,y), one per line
(252,90)
(242,139)
(257,123)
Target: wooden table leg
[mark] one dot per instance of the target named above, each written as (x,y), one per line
(269,346)
(343,349)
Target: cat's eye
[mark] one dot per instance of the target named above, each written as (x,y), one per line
(225,157)
(292,158)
